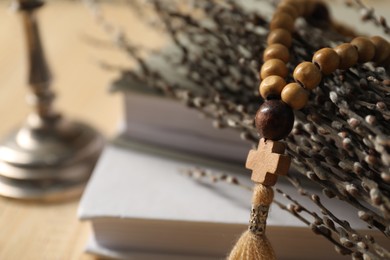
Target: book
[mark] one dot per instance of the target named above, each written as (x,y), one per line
(154,118)
(179,127)
(141,206)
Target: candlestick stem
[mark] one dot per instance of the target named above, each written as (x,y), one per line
(48,157)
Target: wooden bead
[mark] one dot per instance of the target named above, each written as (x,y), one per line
(298,6)
(288,8)
(382,48)
(276,51)
(273,67)
(307,74)
(280,36)
(271,87)
(274,120)
(385,63)
(309,7)
(295,96)
(327,60)
(318,14)
(282,20)
(348,55)
(365,48)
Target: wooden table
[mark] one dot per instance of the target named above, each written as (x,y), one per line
(52,231)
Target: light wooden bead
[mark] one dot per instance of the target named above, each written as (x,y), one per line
(295,96)
(348,55)
(327,60)
(273,67)
(271,86)
(382,48)
(276,51)
(308,75)
(280,36)
(288,8)
(299,6)
(282,20)
(365,48)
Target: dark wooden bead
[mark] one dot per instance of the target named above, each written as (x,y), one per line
(318,14)
(308,7)
(274,120)
(385,63)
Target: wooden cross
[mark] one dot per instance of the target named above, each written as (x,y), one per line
(267,162)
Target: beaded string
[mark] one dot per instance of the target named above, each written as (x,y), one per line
(308,75)
(275,118)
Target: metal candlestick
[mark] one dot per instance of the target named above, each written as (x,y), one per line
(48,157)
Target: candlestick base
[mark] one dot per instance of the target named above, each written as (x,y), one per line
(49,159)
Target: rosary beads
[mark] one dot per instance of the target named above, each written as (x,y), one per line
(275,118)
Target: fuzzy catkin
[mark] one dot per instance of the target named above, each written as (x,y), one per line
(252,246)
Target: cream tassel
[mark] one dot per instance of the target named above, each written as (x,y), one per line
(253,243)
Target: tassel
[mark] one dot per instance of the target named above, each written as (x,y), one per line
(253,243)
